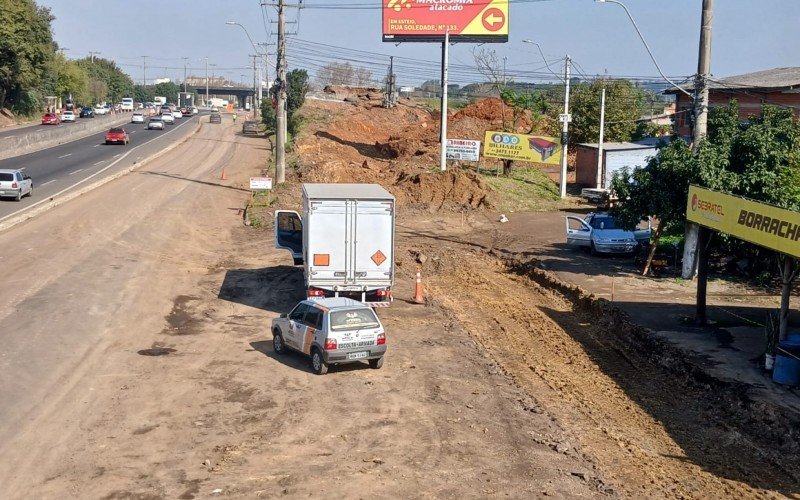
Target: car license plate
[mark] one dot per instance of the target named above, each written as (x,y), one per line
(357,355)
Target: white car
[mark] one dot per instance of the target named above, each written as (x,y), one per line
(599,233)
(194,110)
(137,117)
(15,184)
(331,331)
(155,122)
(168,118)
(68,116)
(100,110)
(177,114)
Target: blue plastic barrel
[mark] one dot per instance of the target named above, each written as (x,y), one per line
(787,363)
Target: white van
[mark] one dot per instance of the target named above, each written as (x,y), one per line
(127,104)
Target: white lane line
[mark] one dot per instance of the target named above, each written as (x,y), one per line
(97,163)
(116,155)
(75,172)
(9,136)
(96,145)
(64,156)
(46,183)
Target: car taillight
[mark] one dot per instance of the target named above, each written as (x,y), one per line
(14,185)
(381,339)
(315,292)
(330,344)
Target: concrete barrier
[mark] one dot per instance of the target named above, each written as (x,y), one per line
(47,137)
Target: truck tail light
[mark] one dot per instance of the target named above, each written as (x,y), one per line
(316,292)
(330,344)
(381,339)
(384,293)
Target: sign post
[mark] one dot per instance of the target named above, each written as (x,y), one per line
(260,184)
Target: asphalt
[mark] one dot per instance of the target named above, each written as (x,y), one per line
(62,168)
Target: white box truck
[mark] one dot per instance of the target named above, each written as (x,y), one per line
(344,240)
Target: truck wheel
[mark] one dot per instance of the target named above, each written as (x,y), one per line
(376,364)
(318,363)
(277,342)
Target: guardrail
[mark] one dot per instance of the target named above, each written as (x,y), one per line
(47,136)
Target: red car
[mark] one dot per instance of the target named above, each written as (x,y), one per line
(50,119)
(117,135)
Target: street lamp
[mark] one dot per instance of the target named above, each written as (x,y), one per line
(257,77)
(543,58)
(645,45)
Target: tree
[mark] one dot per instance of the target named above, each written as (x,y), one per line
(521,103)
(623,108)
(27,51)
(336,73)
(72,81)
(363,77)
(297,87)
(169,90)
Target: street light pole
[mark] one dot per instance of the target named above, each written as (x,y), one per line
(184,72)
(206,81)
(257,88)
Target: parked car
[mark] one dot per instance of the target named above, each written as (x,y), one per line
(137,117)
(167,118)
(331,331)
(68,116)
(117,135)
(215,118)
(87,112)
(599,233)
(15,184)
(50,119)
(251,127)
(155,122)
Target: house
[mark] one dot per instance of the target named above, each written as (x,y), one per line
(778,86)
(616,155)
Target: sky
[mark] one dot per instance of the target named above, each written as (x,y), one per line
(747,36)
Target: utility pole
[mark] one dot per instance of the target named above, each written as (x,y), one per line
(91,55)
(144,71)
(443,133)
(280,126)
(565,119)
(600,176)
(256,84)
(698,235)
(184,73)
(206,81)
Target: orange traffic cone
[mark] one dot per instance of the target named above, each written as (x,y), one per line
(418,298)
(223,176)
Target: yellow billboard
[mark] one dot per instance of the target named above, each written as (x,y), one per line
(508,146)
(758,223)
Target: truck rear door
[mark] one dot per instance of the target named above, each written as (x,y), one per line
(373,245)
(329,238)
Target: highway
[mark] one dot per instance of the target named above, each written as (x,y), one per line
(37,127)
(57,170)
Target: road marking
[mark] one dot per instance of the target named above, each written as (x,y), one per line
(96,145)
(117,155)
(46,183)
(9,136)
(64,156)
(98,163)
(75,172)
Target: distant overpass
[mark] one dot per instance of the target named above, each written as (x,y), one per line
(241,93)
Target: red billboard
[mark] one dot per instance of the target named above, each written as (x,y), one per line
(477,21)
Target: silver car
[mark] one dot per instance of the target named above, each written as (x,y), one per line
(155,122)
(331,331)
(15,184)
(599,233)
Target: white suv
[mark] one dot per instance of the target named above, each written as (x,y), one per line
(15,184)
(331,331)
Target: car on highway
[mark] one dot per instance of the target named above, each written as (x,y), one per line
(168,118)
(15,184)
(137,117)
(117,135)
(68,116)
(214,109)
(251,127)
(100,110)
(186,112)
(87,112)
(215,118)
(195,110)
(176,113)
(50,119)
(155,123)
(331,331)
(165,110)
(599,232)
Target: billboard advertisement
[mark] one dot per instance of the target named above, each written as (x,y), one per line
(478,21)
(535,148)
(758,223)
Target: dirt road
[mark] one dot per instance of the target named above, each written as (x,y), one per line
(140,365)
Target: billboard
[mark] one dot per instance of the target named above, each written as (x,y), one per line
(478,21)
(535,148)
(758,223)
(463,149)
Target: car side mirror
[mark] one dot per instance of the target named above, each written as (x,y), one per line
(284,315)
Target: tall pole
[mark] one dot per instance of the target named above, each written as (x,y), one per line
(92,53)
(184,73)
(280,126)
(565,119)
(703,234)
(443,138)
(144,71)
(206,81)
(600,177)
(255,86)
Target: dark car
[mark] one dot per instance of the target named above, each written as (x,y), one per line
(186,111)
(251,127)
(215,118)
(87,112)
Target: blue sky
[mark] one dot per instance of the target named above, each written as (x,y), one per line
(748,35)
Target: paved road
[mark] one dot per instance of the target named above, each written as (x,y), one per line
(58,169)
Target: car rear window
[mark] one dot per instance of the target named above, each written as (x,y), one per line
(116,131)
(353,319)
(6,177)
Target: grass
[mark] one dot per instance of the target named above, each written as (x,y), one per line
(528,189)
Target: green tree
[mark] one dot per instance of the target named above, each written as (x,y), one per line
(72,80)
(297,87)
(169,90)
(27,51)
(118,83)
(624,103)
(522,104)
